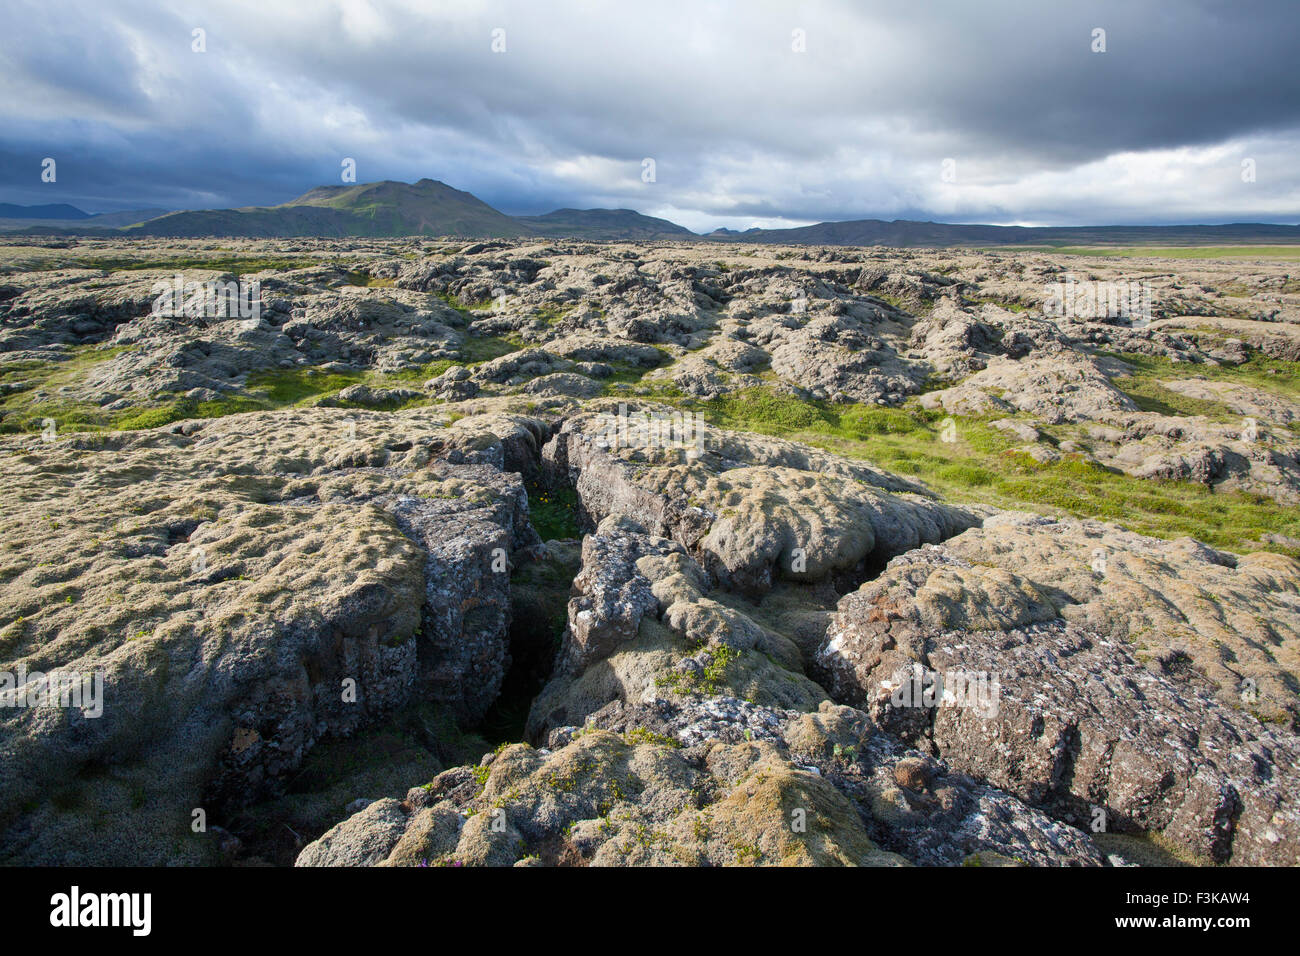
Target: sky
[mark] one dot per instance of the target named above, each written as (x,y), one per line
(754,113)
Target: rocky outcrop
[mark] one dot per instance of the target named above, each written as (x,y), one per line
(708,747)
(752,510)
(245,588)
(980,666)
(329,589)
(1061,388)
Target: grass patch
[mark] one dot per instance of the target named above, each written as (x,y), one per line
(23,411)
(769,412)
(553,314)
(264,390)
(237,265)
(1145,385)
(925,308)
(483,348)
(462,306)
(625,374)
(295,385)
(421,373)
(1150,396)
(772,413)
(981,466)
(554,511)
(1168,252)
(365,280)
(1001,304)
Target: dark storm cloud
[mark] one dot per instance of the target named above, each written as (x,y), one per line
(742,128)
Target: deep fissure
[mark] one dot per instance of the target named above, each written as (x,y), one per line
(541,581)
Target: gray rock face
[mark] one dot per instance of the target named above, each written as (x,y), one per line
(998,686)
(611,597)
(74,306)
(798,514)
(363,839)
(1062,388)
(369,397)
(245,590)
(467,589)
(339,566)
(674,758)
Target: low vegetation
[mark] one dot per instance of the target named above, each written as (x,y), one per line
(1271,374)
(981,466)
(554,511)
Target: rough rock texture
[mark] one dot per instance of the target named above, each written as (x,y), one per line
(574,319)
(234,514)
(1064,388)
(752,509)
(231,579)
(717,756)
(1180,605)
(1075,721)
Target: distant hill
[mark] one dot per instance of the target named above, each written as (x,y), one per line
(604,224)
(425,208)
(128,218)
(382,209)
(52,211)
(431,208)
(108,222)
(904,233)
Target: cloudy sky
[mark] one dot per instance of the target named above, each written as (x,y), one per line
(754,113)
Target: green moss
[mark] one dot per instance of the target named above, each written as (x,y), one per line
(710,680)
(267,389)
(422,373)
(483,348)
(23,411)
(291,386)
(553,313)
(264,390)
(924,309)
(364,279)
(1260,371)
(462,306)
(154,417)
(760,409)
(864,421)
(1009,305)
(980,467)
(236,265)
(642,735)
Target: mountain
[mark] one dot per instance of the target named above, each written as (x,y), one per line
(604,224)
(427,208)
(52,211)
(431,208)
(91,225)
(904,233)
(130,217)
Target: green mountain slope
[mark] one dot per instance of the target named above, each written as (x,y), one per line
(425,208)
(604,224)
